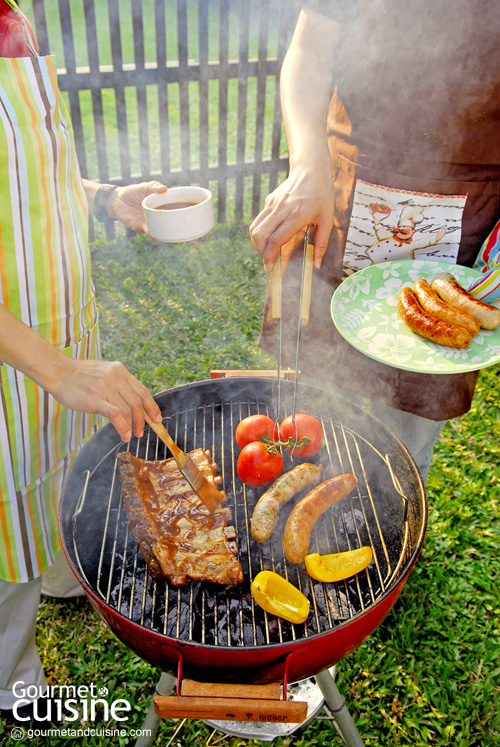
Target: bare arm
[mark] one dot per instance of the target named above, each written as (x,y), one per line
(88,386)
(306,196)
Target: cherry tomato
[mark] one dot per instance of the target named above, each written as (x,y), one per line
(249,429)
(257,465)
(305,426)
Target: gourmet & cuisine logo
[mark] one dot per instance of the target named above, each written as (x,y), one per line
(70,703)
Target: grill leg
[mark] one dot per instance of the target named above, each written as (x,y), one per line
(336,704)
(151,722)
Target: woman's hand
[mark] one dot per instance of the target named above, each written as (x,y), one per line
(107,388)
(125,204)
(102,387)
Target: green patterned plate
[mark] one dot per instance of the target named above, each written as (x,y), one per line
(364,310)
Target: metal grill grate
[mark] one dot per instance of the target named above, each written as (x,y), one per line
(376,513)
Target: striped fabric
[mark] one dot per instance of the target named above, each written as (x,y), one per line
(487,287)
(45,280)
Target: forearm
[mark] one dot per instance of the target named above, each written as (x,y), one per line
(306,195)
(27,351)
(104,387)
(306,88)
(90,188)
(105,209)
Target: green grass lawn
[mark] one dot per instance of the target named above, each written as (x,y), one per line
(177,311)
(430,674)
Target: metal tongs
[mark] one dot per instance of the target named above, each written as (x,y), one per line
(304,305)
(205,490)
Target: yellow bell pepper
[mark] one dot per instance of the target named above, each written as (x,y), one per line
(278,596)
(340,565)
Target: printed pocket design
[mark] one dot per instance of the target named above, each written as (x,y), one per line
(393,224)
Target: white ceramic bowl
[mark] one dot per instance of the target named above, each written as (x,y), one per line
(180,223)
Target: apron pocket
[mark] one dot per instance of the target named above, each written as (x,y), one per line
(397,217)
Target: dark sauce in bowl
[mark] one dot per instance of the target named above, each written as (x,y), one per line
(175,205)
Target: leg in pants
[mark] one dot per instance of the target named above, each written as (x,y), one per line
(19,660)
(419,435)
(60,581)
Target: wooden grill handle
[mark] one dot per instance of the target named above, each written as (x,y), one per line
(230,702)
(276,281)
(307,284)
(230,709)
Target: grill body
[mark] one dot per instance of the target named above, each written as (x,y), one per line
(215,634)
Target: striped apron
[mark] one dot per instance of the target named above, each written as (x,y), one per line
(45,281)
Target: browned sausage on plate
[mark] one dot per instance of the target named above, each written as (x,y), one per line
(428,326)
(447,287)
(434,305)
(307,512)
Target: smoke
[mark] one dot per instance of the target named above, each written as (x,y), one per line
(414,77)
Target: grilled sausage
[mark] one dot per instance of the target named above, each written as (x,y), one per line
(422,323)
(452,292)
(434,305)
(266,511)
(307,511)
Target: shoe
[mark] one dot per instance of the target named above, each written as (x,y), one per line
(45,712)
(24,712)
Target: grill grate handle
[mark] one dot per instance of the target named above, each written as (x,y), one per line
(245,703)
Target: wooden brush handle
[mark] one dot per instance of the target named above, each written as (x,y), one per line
(206,491)
(162,433)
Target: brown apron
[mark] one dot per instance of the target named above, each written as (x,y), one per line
(323,352)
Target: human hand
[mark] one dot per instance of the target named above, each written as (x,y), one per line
(107,388)
(125,204)
(304,198)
